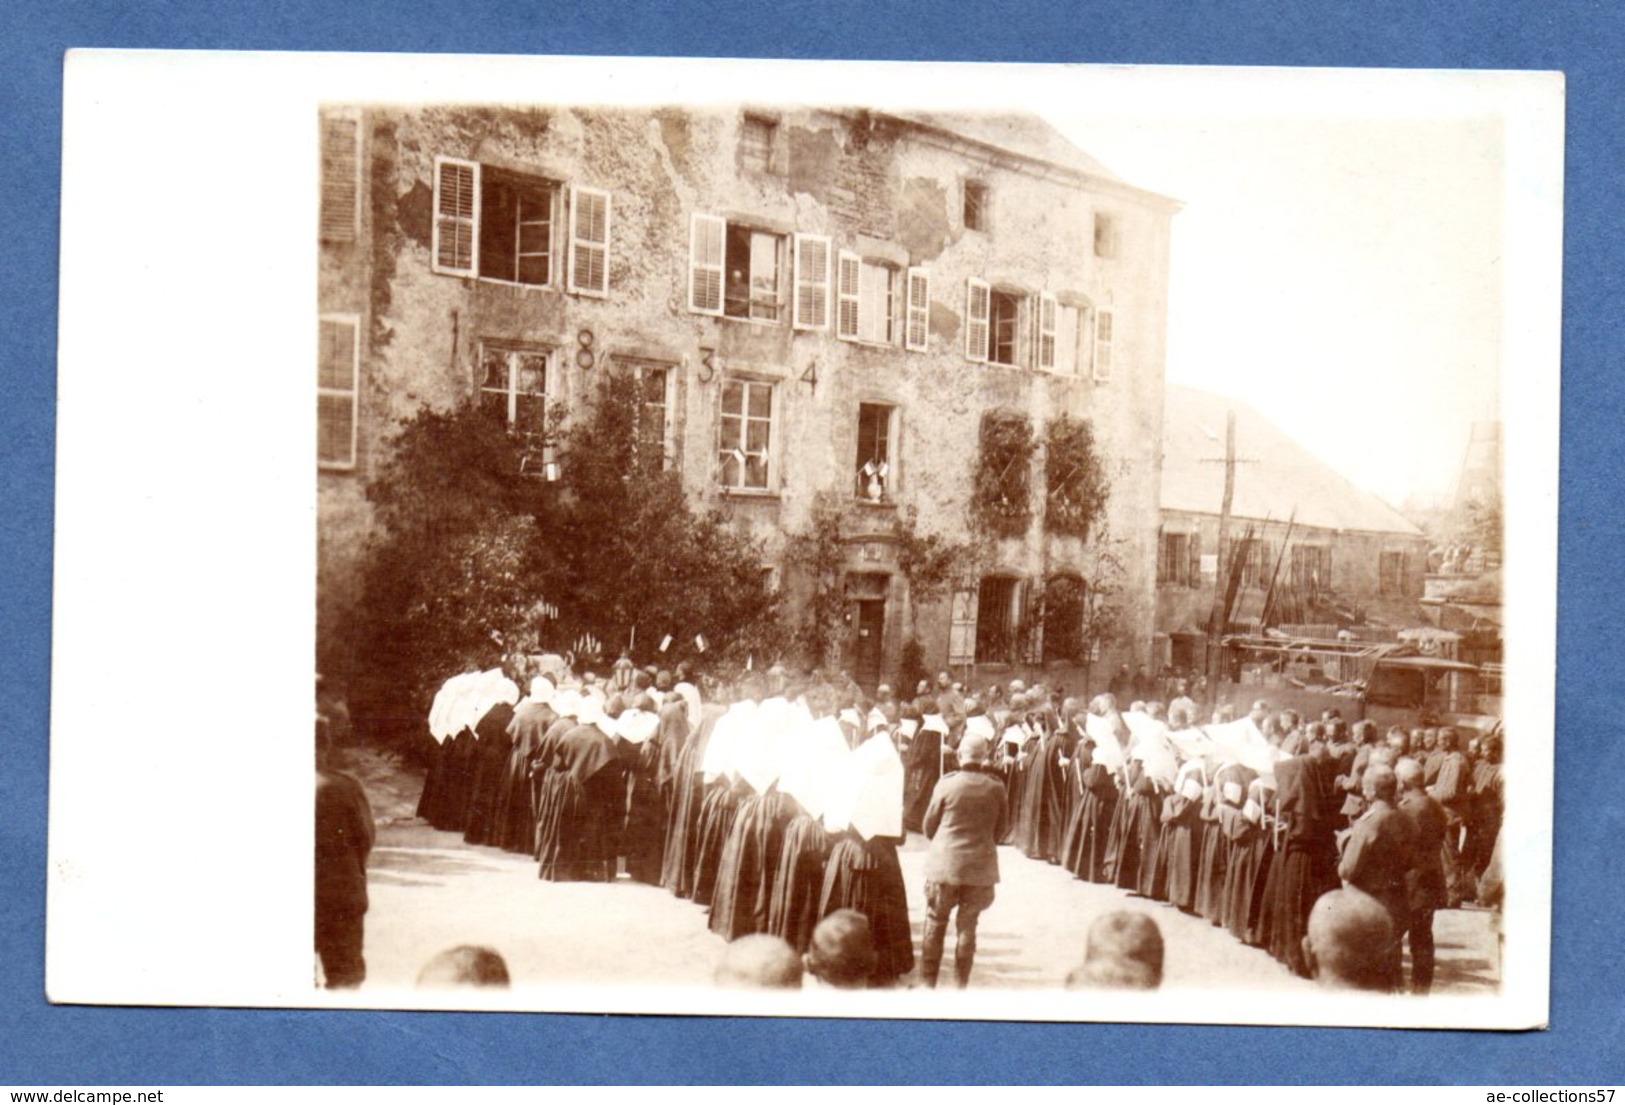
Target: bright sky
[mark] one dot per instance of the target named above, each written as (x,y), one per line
(1338,271)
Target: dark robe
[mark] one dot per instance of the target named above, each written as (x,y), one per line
(750,863)
(579,840)
(1305,863)
(1181,844)
(643,825)
(1043,800)
(799,882)
(866,876)
(686,804)
(516,809)
(432,800)
(1247,855)
(1211,865)
(717,813)
(460,769)
(1135,831)
(924,768)
(1084,850)
(546,782)
(493,748)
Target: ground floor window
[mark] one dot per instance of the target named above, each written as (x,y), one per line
(996,620)
(1065,603)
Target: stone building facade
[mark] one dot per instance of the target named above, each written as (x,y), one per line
(825,306)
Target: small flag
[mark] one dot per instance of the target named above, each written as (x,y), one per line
(749,658)
(665,642)
(699,641)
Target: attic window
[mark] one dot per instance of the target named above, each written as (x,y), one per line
(756,134)
(975,205)
(1105,235)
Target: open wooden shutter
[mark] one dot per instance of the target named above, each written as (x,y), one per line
(962,629)
(456,216)
(589,241)
(340,177)
(1046,331)
(811,308)
(848,295)
(978,316)
(1194,577)
(917,320)
(338,363)
(706,236)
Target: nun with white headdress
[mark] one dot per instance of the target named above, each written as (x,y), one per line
(865,812)
(1098,759)
(433,802)
(719,766)
(643,828)
(577,842)
(686,796)
(516,813)
(813,763)
(492,712)
(750,858)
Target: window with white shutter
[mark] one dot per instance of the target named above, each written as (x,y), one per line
(456,215)
(978,311)
(341,184)
(848,280)
(338,367)
(705,237)
(1046,331)
(589,240)
(811,309)
(1103,344)
(962,629)
(917,325)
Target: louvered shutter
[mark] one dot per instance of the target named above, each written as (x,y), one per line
(918,311)
(1194,578)
(978,311)
(849,276)
(340,185)
(456,216)
(1103,345)
(589,240)
(706,236)
(812,282)
(1046,331)
(962,629)
(337,369)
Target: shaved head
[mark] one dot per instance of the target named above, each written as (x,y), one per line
(1124,952)
(1350,935)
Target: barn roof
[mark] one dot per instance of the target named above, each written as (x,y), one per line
(1281,477)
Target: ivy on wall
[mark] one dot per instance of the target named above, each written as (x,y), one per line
(1001,500)
(1075,480)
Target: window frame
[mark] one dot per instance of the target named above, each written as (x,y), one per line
(978,189)
(725,448)
(638,365)
(770,125)
(565,239)
(889,478)
(353,393)
(852,293)
(547,451)
(1018,327)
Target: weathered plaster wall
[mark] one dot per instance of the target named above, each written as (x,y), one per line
(875,187)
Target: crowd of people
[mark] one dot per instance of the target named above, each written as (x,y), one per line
(780,805)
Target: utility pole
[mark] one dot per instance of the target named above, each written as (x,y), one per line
(1217,619)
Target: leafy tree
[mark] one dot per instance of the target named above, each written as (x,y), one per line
(475,560)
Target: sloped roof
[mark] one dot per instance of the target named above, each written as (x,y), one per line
(1026,135)
(1280,475)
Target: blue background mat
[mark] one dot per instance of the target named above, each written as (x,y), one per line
(47,1046)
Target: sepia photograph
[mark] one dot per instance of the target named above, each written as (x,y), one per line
(878,540)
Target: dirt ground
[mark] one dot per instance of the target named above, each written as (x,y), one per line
(430,891)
